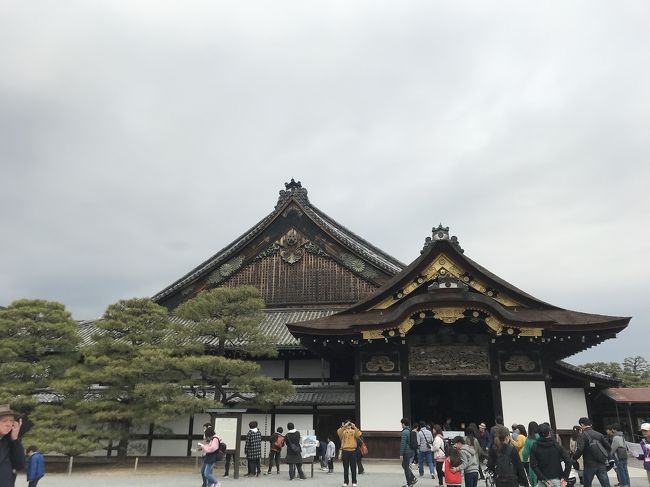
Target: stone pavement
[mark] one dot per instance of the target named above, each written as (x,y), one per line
(379,473)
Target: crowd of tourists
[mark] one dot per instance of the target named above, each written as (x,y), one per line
(518,456)
(349,435)
(503,457)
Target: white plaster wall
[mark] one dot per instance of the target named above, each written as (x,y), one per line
(169,448)
(569,405)
(179,426)
(272,368)
(380,406)
(524,401)
(307,369)
(199,421)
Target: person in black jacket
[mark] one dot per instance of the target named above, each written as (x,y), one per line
(503,454)
(592,465)
(12,453)
(546,458)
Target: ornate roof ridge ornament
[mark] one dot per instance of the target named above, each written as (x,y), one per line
(293,188)
(441,233)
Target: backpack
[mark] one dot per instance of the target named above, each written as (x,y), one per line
(279,442)
(596,448)
(413,441)
(446,445)
(504,470)
(221,451)
(218,454)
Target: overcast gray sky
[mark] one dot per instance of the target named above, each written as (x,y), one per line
(137,138)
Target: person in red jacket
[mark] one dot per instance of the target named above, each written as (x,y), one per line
(453,474)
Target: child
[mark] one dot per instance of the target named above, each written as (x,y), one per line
(453,476)
(35,466)
(330,453)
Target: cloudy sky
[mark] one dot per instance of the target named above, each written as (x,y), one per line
(137,138)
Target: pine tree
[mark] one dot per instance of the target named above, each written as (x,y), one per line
(56,430)
(39,341)
(227,320)
(131,375)
(636,371)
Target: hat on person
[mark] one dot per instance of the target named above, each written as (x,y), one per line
(645,427)
(5,410)
(482,425)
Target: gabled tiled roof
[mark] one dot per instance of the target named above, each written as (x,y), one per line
(294,193)
(321,395)
(586,373)
(629,394)
(273,325)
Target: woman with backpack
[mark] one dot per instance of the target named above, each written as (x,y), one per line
(276,444)
(504,461)
(438,451)
(294,452)
(210,449)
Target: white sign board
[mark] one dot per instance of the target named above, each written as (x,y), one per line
(308,443)
(226,429)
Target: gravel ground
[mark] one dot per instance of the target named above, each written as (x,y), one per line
(378,474)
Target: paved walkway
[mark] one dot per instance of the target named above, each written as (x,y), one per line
(378,474)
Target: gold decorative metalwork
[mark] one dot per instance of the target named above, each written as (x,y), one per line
(442,265)
(449,315)
(372,334)
(530,332)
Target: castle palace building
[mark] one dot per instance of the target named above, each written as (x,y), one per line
(364,336)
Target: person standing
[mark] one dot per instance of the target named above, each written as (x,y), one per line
(594,462)
(484,437)
(504,461)
(210,448)
(35,466)
(294,452)
(550,462)
(453,476)
(425,453)
(471,438)
(619,454)
(438,450)
(12,453)
(330,454)
(519,437)
(253,450)
(533,436)
(469,461)
(645,448)
(276,443)
(349,434)
(406,452)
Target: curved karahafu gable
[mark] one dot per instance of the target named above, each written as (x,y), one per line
(442,284)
